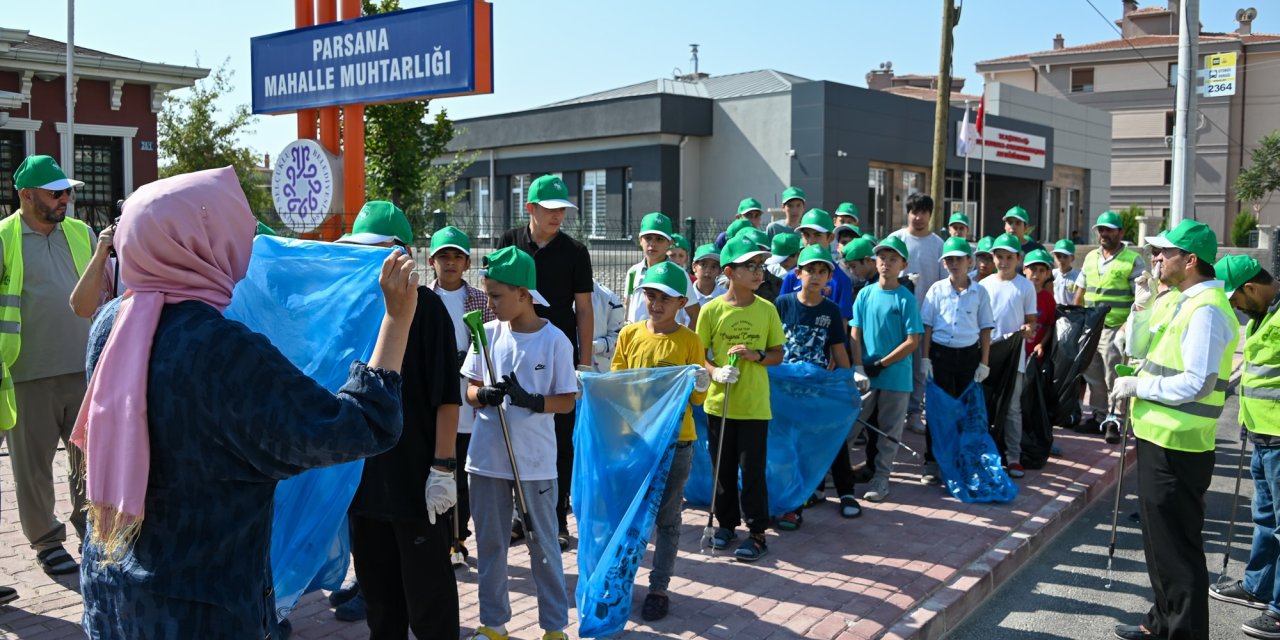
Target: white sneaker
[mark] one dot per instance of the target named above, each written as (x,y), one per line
(877,491)
(915,422)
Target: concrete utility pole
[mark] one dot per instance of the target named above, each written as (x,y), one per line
(1182,192)
(950,18)
(69,152)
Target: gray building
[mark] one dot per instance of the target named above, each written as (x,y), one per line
(695,146)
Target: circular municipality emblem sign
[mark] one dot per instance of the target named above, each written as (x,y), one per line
(302,185)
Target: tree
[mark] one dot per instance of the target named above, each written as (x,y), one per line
(1261,180)
(1129,220)
(1244,224)
(194,136)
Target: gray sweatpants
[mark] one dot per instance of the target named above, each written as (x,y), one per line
(47,409)
(491,503)
(890,408)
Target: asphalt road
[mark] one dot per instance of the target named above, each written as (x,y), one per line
(1061,593)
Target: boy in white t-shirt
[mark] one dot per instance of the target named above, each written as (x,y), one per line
(706,273)
(450,258)
(655,240)
(535,365)
(1066,273)
(1013,303)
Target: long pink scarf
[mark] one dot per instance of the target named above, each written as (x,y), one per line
(182,238)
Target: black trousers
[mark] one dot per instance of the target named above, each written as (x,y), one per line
(564,465)
(745,447)
(841,473)
(1171,488)
(406,578)
(953,371)
(463,509)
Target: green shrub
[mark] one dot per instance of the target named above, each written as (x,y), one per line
(1245,222)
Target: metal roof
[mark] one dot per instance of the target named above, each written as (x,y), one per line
(734,85)
(37,43)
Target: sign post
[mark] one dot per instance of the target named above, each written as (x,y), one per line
(1220,78)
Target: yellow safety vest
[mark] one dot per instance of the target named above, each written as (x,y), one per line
(80,241)
(1190,426)
(1111,289)
(1260,382)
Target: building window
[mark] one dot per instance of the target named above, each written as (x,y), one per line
(1082,80)
(1168,172)
(519,191)
(594,212)
(1170,121)
(1173,74)
(878,193)
(99,164)
(912,182)
(12,152)
(480,207)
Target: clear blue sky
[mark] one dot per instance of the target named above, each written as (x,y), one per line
(549,50)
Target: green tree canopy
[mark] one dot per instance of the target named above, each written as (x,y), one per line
(1261,179)
(195,135)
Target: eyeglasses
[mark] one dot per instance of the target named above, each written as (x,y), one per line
(58,194)
(753,267)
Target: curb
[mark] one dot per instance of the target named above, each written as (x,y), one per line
(950,604)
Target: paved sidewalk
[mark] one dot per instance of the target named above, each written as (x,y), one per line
(913,566)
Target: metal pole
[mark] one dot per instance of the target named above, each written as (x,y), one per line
(964,207)
(69,152)
(942,107)
(1182,190)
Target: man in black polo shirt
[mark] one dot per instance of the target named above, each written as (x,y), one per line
(564,279)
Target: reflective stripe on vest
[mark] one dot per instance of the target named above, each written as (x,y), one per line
(1111,289)
(80,242)
(1190,426)
(1260,382)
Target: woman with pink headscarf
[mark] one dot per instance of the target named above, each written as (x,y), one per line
(191,419)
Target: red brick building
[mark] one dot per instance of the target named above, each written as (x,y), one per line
(117,100)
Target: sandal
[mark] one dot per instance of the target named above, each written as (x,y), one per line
(56,561)
(751,549)
(790,521)
(722,538)
(849,507)
(485,633)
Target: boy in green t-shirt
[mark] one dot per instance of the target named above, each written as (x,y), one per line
(660,341)
(742,324)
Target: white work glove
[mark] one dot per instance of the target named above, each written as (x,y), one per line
(981,373)
(861,380)
(1123,389)
(599,346)
(926,368)
(701,380)
(442,493)
(582,368)
(727,374)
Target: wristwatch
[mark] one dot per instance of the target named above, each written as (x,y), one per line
(450,464)
(762,354)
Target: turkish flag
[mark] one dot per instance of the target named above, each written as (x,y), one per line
(982,112)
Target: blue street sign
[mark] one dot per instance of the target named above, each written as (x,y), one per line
(415,53)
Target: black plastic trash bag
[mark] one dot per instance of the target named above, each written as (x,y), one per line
(1078,330)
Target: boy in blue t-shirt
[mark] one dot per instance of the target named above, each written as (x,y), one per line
(886,331)
(816,230)
(815,334)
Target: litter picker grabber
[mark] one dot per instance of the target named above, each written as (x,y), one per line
(456,558)
(480,343)
(1121,370)
(914,454)
(1223,580)
(710,530)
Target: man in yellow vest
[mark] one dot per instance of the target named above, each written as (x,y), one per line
(1107,280)
(42,347)
(1178,396)
(1254,292)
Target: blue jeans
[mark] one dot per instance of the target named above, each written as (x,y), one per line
(667,533)
(1260,573)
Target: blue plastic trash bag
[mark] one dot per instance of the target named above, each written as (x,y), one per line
(623,442)
(963,446)
(321,306)
(813,411)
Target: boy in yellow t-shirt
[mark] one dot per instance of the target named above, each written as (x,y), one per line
(743,324)
(660,341)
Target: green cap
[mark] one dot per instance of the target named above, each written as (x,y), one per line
(858,249)
(870,238)
(680,242)
(736,226)
(740,249)
(1038,256)
(706,251)
(510,265)
(815,253)
(847,209)
(817,220)
(785,245)
(956,246)
(749,204)
(984,245)
(668,278)
(757,236)
(1109,219)
(450,238)
(1065,247)
(1190,236)
(657,224)
(264,230)
(1234,271)
(42,172)
(549,192)
(1008,242)
(1017,213)
(792,193)
(894,243)
(848,228)
(958,217)
(379,221)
